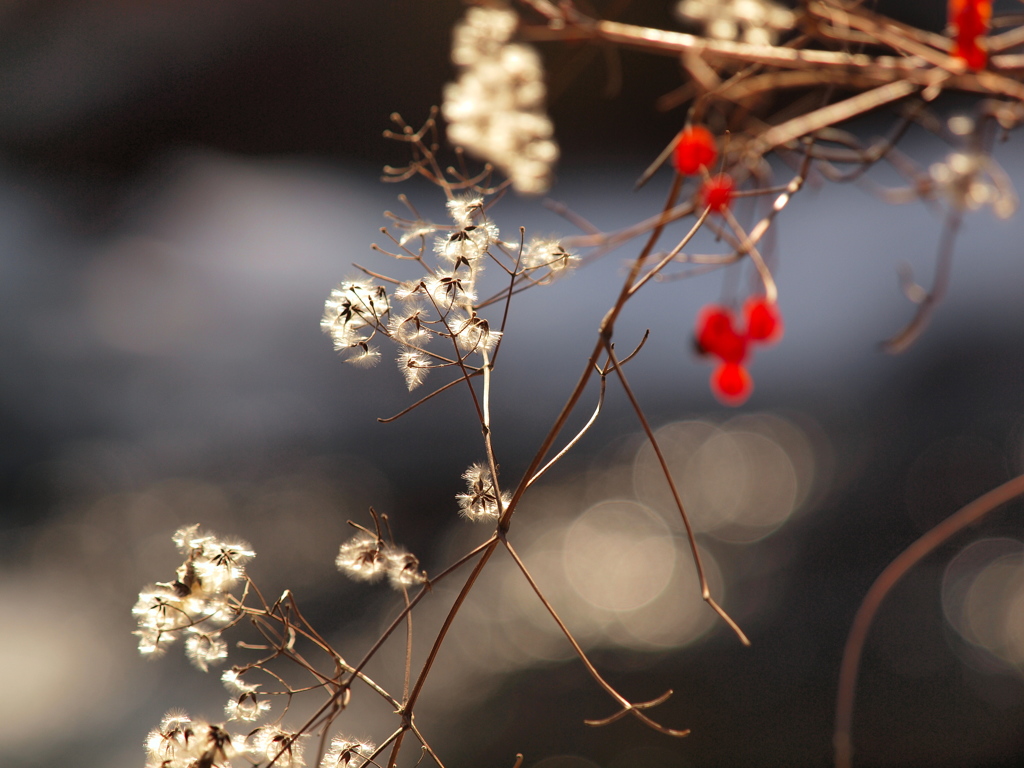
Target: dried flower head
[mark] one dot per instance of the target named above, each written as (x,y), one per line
(496,107)
(547,253)
(474,333)
(480,501)
(248,707)
(347,753)
(281,746)
(414,366)
(757,22)
(352,313)
(362,557)
(403,568)
(205,649)
(463,209)
(971,180)
(233,681)
(467,245)
(450,288)
(180,742)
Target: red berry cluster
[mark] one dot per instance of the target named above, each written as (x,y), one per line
(695,153)
(717,335)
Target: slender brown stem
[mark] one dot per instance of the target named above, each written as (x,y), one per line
(604,335)
(705,589)
(895,571)
(628,707)
(940,283)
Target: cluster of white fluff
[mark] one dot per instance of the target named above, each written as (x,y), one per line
(351,316)
(495,109)
(197,602)
(183,742)
(366,557)
(757,22)
(480,502)
(970,180)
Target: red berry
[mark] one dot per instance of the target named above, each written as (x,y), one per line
(764,323)
(695,150)
(717,336)
(716,193)
(971,20)
(731,383)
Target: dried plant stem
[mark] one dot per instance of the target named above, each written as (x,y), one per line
(488,549)
(422,400)
(830,115)
(590,422)
(412,603)
(747,247)
(895,571)
(604,335)
(940,283)
(673,254)
(705,589)
(626,704)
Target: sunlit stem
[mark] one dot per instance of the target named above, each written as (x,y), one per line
(705,589)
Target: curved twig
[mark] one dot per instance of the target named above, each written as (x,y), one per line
(895,571)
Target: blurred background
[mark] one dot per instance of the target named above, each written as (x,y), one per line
(182,184)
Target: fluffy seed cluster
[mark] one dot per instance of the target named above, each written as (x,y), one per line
(246,703)
(441,303)
(347,753)
(971,180)
(366,557)
(480,501)
(271,742)
(352,314)
(545,258)
(197,602)
(495,109)
(433,320)
(438,305)
(181,742)
(758,22)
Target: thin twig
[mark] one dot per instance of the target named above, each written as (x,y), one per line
(895,571)
(705,589)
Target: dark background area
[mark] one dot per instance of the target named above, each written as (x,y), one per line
(181,183)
